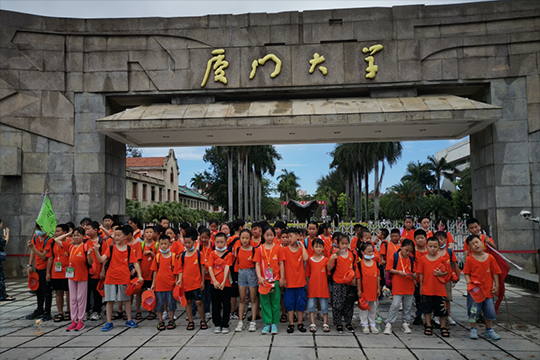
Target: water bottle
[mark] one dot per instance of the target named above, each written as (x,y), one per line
(379,323)
(37,327)
(474,312)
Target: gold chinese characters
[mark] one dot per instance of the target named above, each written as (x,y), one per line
(220,64)
(262,61)
(317,60)
(371,69)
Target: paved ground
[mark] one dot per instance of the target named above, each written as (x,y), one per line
(18,341)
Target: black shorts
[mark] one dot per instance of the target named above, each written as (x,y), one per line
(234,285)
(193,294)
(59,284)
(147,284)
(434,304)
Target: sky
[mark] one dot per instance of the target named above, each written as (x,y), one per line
(309,162)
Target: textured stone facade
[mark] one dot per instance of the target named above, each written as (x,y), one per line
(58,76)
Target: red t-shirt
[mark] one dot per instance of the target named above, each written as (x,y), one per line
(218,266)
(327,245)
(205,252)
(482,272)
(317,272)
(269,259)
(146,262)
(60,254)
(41,246)
(370,280)
(294,267)
(431,286)
(77,260)
(402,285)
(191,270)
(165,279)
(118,272)
(244,258)
(343,265)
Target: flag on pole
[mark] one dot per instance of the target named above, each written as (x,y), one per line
(46,219)
(505,268)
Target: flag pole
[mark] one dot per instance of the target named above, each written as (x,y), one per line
(508,312)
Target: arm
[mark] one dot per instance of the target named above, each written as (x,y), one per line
(282,280)
(179,280)
(466,253)
(7,236)
(49,267)
(153,287)
(138,270)
(203,272)
(89,257)
(421,281)
(105,230)
(359,286)
(438,272)
(451,246)
(258,271)
(468,278)
(29,269)
(331,261)
(495,284)
(61,238)
(99,257)
(225,276)
(213,277)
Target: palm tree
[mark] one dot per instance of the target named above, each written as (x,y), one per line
(264,159)
(438,206)
(440,168)
(405,198)
(288,183)
(421,174)
(198,182)
(385,153)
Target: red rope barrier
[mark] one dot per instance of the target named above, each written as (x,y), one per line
(510,251)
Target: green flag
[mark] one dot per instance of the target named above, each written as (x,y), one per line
(46,219)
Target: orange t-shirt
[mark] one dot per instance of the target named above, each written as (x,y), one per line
(447,259)
(205,251)
(95,270)
(431,286)
(136,249)
(77,260)
(118,272)
(254,243)
(327,245)
(354,244)
(389,249)
(245,258)
(420,254)
(165,279)
(146,262)
(483,239)
(233,239)
(482,272)
(191,270)
(269,259)
(343,265)
(177,247)
(402,285)
(449,238)
(41,246)
(137,234)
(408,234)
(218,266)
(317,272)
(370,280)
(59,253)
(110,241)
(309,247)
(294,267)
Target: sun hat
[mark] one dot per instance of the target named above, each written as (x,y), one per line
(148,300)
(477,293)
(134,287)
(33,281)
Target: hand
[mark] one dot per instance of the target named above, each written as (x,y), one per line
(261,280)
(30,244)
(334,256)
(202,286)
(495,289)
(29,270)
(153,287)
(179,283)
(216,286)
(90,251)
(282,283)
(132,272)
(102,275)
(383,262)
(437,272)
(147,252)
(96,246)
(402,274)
(48,277)
(379,292)
(401,239)
(222,285)
(141,279)
(7,231)
(359,293)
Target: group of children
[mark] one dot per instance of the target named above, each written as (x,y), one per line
(286,274)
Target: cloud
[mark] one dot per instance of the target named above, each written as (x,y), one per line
(182,153)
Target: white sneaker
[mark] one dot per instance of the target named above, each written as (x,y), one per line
(87,316)
(240,326)
(365,329)
(175,318)
(165,315)
(217,330)
(208,316)
(388,329)
(374,330)
(400,306)
(252,326)
(450,321)
(95,316)
(406,329)
(224,330)
(437,320)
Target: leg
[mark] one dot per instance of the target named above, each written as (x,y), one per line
(80,295)
(217,302)
(189,310)
(68,298)
(110,310)
(364,318)
(266,311)
(338,300)
(242,305)
(207,295)
(200,307)
(138,301)
(127,304)
(73,287)
(226,309)
(40,293)
(276,301)
(407,305)
(254,303)
(372,313)
(394,309)
(60,301)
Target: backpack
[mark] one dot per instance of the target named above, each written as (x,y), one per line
(183,259)
(389,275)
(231,245)
(111,248)
(45,242)
(172,260)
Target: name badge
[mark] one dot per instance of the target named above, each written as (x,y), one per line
(58,266)
(70,272)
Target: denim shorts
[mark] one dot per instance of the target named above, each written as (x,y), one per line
(161,297)
(486,306)
(115,292)
(247,277)
(312,305)
(295,299)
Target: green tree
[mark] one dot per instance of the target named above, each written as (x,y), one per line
(384,153)
(440,168)
(133,151)
(438,206)
(421,174)
(135,209)
(462,197)
(405,198)
(288,183)
(198,182)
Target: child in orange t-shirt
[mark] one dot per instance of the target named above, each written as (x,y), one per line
(148,254)
(163,281)
(389,248)
(403,285)
(452,266)
(57,261)
(312,229)
(279,226)
(420,252)
(205,246)
(325,233)
(40,245)
(481,269)
(316,271)
(440,225)
(344,262)
(190,270)
(432,269)
(407,232)
(294,296)
(365,237)
(473,225)
(256,233)
(219,263)
(247,277)
(368,288)
(425,224)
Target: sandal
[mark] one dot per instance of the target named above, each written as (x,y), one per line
(152,316)
(313,328)
(326,328)
(283,318)
(59,318)
(428,331)
(204,325)
(290,329)
(172,325)
(301,328)
(138,316)
(67,316)
(161,325)
(339,329)
(9,298)
(190,326)
(445,333)
(117,316)
(124,315)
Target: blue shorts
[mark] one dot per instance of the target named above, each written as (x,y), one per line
(486,306)
(312,305)
(161,297)
(295,299)
(247,277)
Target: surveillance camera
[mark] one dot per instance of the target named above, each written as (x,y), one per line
(525,213)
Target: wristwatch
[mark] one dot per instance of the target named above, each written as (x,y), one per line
(28,266)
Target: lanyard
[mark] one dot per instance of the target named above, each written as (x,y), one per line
(266,255)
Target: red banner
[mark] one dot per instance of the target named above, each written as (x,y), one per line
(322,202)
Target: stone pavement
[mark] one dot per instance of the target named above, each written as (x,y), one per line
(18,341)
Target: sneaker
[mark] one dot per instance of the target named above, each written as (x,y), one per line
(388,329)
(72,326)
(450,321)
(406,329)
(225,330)
(234,316)
(107,327)
(418,321)
(274,329)
(35,315)
(87,316)
(491,334)
(80,326)
(217,330)
(166,316)
(365,329)
(131,324)
(240,326)
(374,330)
(349,328)
(266,330)
(437,320)
(400,306)
(252,326)
(207,316)
(95,316)
(47,316)
(473,334)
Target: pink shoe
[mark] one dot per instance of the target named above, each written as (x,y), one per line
(80,326)
(72,326)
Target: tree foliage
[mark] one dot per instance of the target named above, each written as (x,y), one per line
(174,211)
(133,151)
